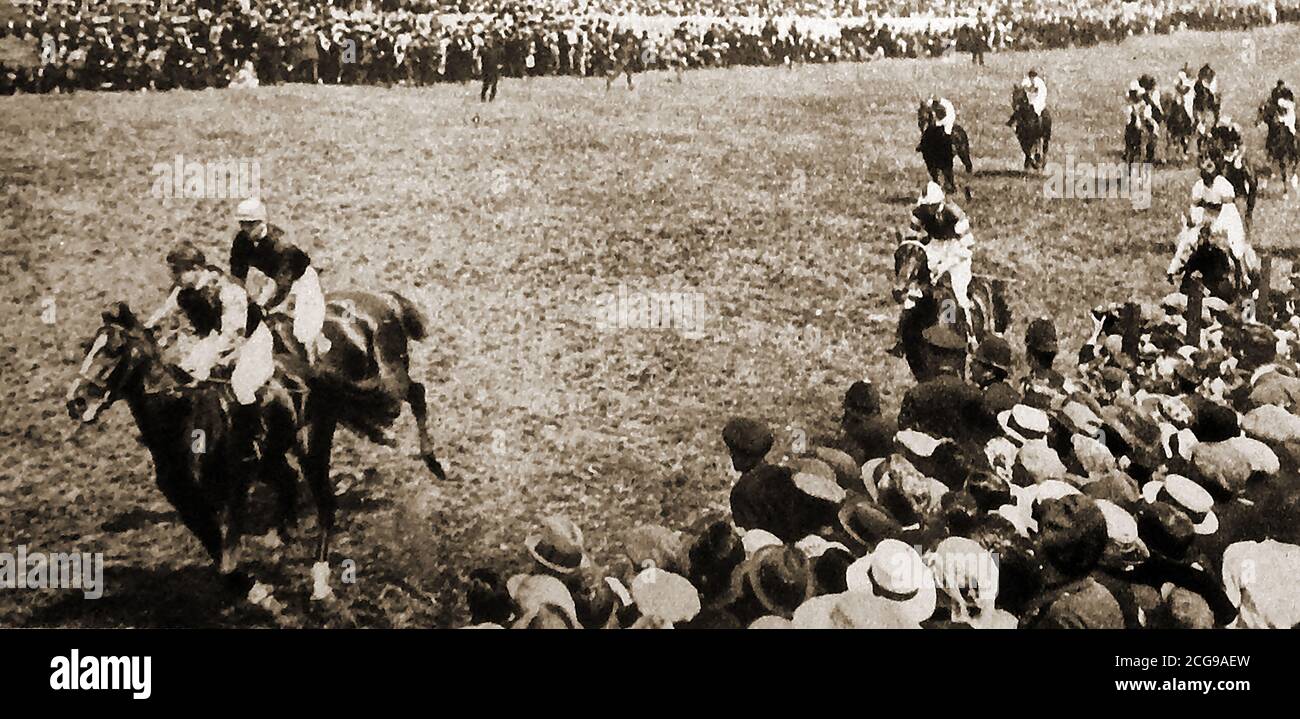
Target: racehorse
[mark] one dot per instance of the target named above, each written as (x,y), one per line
(1139,143)
(1033,131)
(1179,125)
(1282,146)
(201,440)
(1216,270)
(938,148)
(1205,109)
(924,304)
(361,382)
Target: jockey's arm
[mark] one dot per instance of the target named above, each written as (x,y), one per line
(168,307)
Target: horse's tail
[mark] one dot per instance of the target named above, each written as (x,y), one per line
(412,319)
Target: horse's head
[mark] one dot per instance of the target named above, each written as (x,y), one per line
(116,353)
(911,272)
(924,114)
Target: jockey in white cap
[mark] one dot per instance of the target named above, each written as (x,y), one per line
(1213,208)
(1185,89)
(1284,100)
(1036,91)
(944,230)
(296,286)
(945,113)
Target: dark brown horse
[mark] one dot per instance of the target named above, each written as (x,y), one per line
(1281,144)
(924,302)
(939,148)
(1180,126)
(361,383)
(1033,131)
(203,443)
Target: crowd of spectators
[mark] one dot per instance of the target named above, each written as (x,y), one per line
(1151,485)
(66,45)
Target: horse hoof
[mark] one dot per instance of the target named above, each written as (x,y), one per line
(435,467)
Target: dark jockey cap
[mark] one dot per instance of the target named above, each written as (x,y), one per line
(863,398)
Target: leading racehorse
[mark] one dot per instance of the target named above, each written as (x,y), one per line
(1033,131)
(939,148)
(924,303)
(361,383)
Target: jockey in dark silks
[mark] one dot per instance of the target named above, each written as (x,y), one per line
(1207,94)
(296,288)
(1283,101)
(220,330)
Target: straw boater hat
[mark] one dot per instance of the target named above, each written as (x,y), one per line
(666,596)
(1188,496)
(852,610)
(1023,423)
(558,547)
(896,572)
(536,593)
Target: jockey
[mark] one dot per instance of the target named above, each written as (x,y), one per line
(1208,85)
(1035,92)
(1227,137)
(1214,218)
(1185,89)
(217,309)
(945,232)
(1138,110)
(1284,103)
(296,287)
(944,113)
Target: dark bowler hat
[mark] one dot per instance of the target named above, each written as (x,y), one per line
(943,336)
(994,352)
(1041,336)
(748,437)
(1215,422)
(862,397)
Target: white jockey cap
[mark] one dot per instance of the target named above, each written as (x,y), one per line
(933,194)
(251,210)
(1135,87)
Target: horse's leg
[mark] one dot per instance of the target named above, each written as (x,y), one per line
(415,398)
(185,495)
(317,472)
(236,504)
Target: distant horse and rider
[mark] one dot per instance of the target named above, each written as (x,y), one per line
(942,141)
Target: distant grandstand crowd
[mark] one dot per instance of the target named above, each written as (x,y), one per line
(63,46)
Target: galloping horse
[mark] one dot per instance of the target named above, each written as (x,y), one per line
(1205,108)
(201,440)
(1283,148)
(1033,132)
(361,383)
(1179,125)
(1218,272)
(938,148)
(1137,137)
(924,303)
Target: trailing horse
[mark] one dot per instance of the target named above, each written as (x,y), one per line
(361,383)
(1139,144)
(924,304)
(1282,146)
(1034,132)
(1180,126)
(939,149)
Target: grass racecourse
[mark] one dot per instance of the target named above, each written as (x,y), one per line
(763,197)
